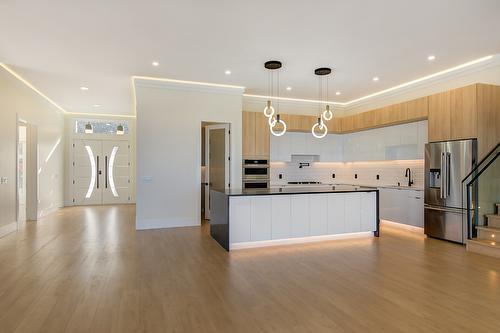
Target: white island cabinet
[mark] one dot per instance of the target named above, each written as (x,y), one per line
(264,217)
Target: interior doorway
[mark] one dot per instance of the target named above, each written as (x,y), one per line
(21,172)
(26,172)
(215,161)
(101,172)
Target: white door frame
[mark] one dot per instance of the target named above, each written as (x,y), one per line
(227,175)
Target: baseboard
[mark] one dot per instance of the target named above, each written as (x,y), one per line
(8,228)
(402,226)
(299,240)
(148,224)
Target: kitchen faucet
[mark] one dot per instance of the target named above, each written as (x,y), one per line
(408,174)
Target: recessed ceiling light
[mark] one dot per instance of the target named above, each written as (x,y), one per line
(84,88)
(375,78)
(155,63)
(227,72)
(288,88)
(97,105)
(338,93)
(431,57)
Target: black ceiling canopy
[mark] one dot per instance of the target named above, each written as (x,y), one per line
(322,71)
(273,64)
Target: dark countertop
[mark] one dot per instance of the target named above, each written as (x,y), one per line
(298,190)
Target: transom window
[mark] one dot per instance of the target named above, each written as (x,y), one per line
(87,126)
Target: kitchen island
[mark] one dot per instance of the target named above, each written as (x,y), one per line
(244,218)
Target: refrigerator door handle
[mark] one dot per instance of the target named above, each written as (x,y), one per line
(443,175)
(447,210)
(448,162)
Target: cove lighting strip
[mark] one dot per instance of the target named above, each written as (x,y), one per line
(186,82)
(26,82)
(100,114)
(385,91)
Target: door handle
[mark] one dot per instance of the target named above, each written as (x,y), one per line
(106,171)
(98,171)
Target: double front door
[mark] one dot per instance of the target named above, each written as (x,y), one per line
(101,172)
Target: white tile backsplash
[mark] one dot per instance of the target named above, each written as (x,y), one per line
(390,172)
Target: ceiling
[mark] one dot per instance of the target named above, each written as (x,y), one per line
(61,45)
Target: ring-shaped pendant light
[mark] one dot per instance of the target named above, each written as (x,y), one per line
(274,122)
(327,114)
(269,111)
(321,126)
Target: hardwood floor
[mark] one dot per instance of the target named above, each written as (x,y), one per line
(86,269)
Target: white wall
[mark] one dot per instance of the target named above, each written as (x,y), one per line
(69,125)
(18,99)
(169,117)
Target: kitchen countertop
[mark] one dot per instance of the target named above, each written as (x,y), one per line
(310,189)
(396,187)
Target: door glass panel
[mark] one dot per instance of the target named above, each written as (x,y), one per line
(93,170)
(110,171)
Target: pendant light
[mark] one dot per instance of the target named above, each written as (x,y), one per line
(319,129)
(274,120)
(120,130)
(88,128)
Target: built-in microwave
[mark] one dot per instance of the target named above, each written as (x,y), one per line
(255,183)
(255,169)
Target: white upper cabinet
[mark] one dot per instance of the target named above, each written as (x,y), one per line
(399,142)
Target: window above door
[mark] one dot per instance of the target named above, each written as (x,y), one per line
(112,127)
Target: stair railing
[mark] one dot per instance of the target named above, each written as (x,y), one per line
(470,186)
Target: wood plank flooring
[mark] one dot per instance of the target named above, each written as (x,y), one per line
(86,269)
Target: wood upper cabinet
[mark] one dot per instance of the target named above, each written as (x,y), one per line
(439,125)
(463,107)
(298,123)
(453,114)
(255,135)
(417,109)
(391,114)
(347,124)
(248,135)
(335,125)
(261,135)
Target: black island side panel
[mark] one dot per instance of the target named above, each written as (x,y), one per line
(219,218)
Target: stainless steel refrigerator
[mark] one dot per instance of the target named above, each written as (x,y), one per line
(446,164)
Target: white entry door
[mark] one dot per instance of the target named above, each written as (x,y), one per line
(101,172)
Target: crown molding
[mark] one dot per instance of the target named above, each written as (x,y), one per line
(162,83)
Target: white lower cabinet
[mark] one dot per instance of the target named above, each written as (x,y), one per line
(368,211)
(240,215)
(273,217)
(281,214)
(416,208)
(318,206)
(260,227)
(336,213)
(353,212)
(300,215)
(402,206)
